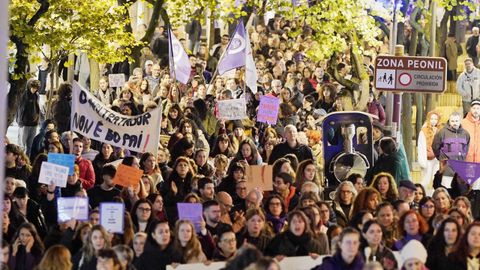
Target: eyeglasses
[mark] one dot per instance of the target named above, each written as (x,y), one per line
(428,206)
(144,209)
(230,240)
(346,191)
(275,204)
(227,205)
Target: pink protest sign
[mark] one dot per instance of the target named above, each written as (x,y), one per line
(268,110)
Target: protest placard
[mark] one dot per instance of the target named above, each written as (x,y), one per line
(112,217)
(67,160)
(53,173)
(232,109)
(91,118)
(72,208)
(259,176)
(268,110)
(127,176)
(192,212)
(116,80)
(468,171)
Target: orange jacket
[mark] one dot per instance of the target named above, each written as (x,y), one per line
(473,128)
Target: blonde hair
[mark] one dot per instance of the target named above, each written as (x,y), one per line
(57,257)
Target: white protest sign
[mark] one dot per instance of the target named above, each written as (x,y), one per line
(232,109)
(50,172)
(116,80)
(72,208)
(111,217)
(91,118)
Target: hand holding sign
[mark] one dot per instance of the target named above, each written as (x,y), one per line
(268,109)
(116,80)
(127,176)
(53,173)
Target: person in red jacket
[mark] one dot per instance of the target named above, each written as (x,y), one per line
(87,174)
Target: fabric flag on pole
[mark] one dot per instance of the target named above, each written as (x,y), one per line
(180,68)
(234,56)
(251,76)
(468,171)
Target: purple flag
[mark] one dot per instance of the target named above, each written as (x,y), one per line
(468,171)
(180,68)
(235,54)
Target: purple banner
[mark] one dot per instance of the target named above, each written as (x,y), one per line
(468,171)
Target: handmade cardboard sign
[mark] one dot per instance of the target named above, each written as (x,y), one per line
(127,176)
(259,176)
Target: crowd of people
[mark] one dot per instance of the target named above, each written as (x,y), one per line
(204,159)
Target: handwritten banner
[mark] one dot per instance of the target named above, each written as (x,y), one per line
(127,176)
(72,208)
(268,110)
(53,173)
(259,176)
(91,118)
(192,212)
(232,109)
(116,80)
(112,217)
(67,160)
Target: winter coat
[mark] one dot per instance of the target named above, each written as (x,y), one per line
(153,258)
(468,84)
(449,143)
(28,112)
(343,219)
(472,126)
(288,244)
(336,262)
(61,114)
(376,108)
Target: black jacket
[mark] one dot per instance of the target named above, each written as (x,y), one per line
(301,151)
(155,259)
(288,244)
(28,112)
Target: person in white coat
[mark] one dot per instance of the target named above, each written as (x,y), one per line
(468,84)
(426,157)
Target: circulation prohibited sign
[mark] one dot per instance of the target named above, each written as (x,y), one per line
(410,74)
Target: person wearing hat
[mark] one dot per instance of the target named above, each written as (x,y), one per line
(30,210)
(148,68)
(414,255)
(468,84)
(406,192)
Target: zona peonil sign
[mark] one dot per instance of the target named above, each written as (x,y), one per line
(410,74)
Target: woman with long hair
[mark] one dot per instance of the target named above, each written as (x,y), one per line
(86,259)
(133,193)
(159,249)
(373,248)
(385,184)
(426,157)
(177,185)
(464,205)
(236,173)
(158,209)
(142,216)
(254,232)
(57,257)
(175,114)
(343,202)
(367,199)
(306,172)
(426,208)
(466,252)
(276,215)
(297,240)
(248,152)
(222,146)
(27,249)
(148,163)
(443,243)
(412,226)
(187,243)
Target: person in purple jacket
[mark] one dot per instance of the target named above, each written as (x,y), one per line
(347,255)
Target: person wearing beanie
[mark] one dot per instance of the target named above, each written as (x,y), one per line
(414,255)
